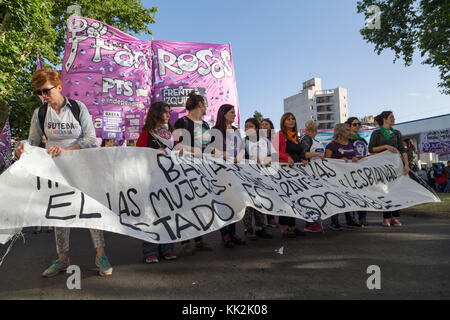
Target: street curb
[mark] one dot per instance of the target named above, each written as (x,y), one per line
(426,214)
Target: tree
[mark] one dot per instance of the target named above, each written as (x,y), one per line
(27,26)
(410,25)
(258,116)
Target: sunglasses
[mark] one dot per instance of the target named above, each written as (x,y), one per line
(43,91)
(356,124)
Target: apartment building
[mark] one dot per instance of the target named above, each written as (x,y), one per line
(328,107)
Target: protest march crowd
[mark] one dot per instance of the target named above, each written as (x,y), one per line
(62,124)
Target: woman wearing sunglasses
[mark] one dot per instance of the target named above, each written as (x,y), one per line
(64,129)
(361,149)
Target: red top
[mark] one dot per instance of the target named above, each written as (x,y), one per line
(281,140)
(143,139)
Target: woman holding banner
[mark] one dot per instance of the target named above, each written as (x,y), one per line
(231,150)
(387,138)
(157,134)
(342,148)
(314,150)
(361,149)
(290,151)
(60,112)
(266,130)
(199,138)
(255,149)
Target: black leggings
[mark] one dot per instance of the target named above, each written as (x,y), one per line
(391,214)
(286,221)
(195,239)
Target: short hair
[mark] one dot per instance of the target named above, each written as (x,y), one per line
(42,76)
(339,130)
(310,126)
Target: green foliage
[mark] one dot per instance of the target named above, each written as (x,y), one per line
(410,25)
(258,116)
(29,25)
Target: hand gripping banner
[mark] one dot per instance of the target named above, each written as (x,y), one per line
(143,193)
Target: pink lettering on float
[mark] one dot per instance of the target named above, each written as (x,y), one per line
(108,69)
(180,67)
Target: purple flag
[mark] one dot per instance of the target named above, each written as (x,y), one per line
(5,147)
(181,67)
(106,69)
(39,66)
(112,71)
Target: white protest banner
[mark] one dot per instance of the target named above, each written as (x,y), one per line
(143,193)
(437,141)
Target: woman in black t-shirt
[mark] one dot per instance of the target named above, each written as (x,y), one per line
(231,150)
(293,147)
(199,138)
(387,138)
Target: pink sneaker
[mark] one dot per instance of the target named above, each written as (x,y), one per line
(151,259)
(315,227)
(395,222)
(386,223)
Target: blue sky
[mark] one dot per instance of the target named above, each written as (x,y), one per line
(277,45)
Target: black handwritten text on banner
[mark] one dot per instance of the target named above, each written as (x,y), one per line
(145,194)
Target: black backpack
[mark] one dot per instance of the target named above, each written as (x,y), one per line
(43,112)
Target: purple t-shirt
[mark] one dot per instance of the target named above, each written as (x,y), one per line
(340,151)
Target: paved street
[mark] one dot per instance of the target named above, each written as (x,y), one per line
(414,262)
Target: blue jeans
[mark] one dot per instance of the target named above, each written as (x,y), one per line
(155,249)
(447,187)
